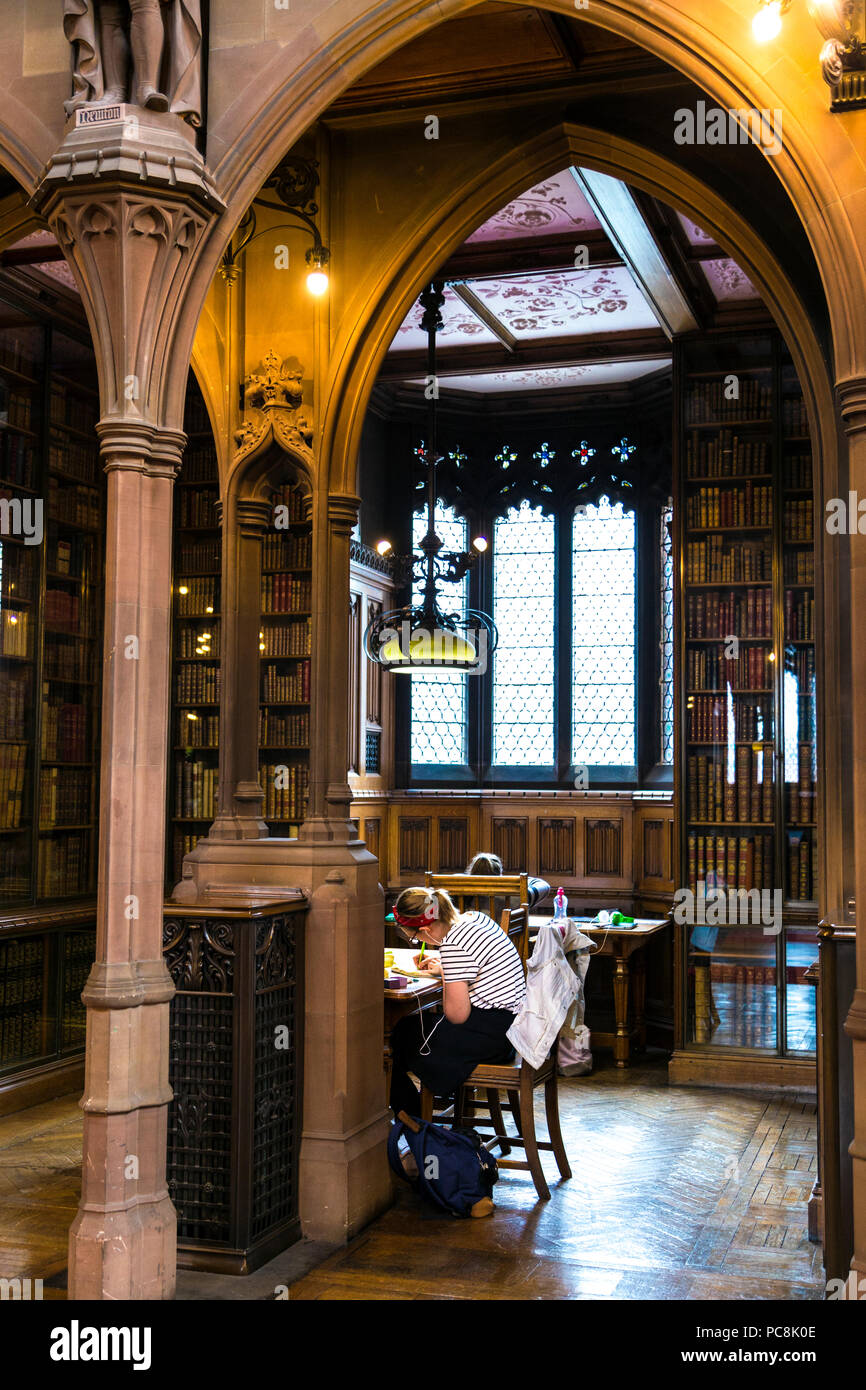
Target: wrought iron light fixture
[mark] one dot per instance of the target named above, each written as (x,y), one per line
(843,56)
(421,636)
(294,182)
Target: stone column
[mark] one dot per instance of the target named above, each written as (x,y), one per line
(852,398)
(240,795)
(129,203)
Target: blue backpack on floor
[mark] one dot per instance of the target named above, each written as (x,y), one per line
(455,1171)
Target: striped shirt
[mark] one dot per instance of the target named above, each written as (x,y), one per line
(478,951)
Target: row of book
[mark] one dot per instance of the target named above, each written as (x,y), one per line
(69,662)
(714,561)
(15,703)
(799,616)
(183,844)
(797,471)
(76,409)
(288,505)
(18,410)
(283,688)
(18,353)
(71,556)
(283,730)
(64,796)
(196,641)
(798,519)
(19,573)
(199,463)
(202,557)
(800,665)
(802,865)
(748,505)
(13,771)
(713,795)
(286,593)
(281,552)
(795,421)
(798,566)
(62,610)
(736,397)
(77,505)
(748,614)
(14,871)
(18,459)
(73,458)
(64,729)
(801,796)
(62,867)
(710,668)
(708,719)
(287,639)
(197,730)
(196,784)
(15,632)
(197,684)
(747,996)
(732,861)
(197,508)
(197,597)
(286,788)
(726,456)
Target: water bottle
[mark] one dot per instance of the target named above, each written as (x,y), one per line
(560,910)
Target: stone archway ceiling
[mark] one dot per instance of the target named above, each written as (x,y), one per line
(558,326)
(39,252)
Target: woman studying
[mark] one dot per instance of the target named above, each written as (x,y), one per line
(482,985)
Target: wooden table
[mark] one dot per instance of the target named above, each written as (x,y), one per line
(621,943)
(399,1002)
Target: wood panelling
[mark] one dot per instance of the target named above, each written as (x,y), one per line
(510,842)
(370,834)
(556,847)
(414,844)
(454,853)
(654,848)
(603,850)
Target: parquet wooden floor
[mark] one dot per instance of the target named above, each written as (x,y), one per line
(678,1193)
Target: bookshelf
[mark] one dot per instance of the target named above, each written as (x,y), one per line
(747,726)
(195,680)
(51,599)
(284,662)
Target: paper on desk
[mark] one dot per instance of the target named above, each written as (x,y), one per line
(404,963)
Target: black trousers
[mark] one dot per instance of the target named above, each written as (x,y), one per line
(453,1052)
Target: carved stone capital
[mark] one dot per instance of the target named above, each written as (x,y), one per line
(343,513)
(253,516)
(132,233)
(851,393)
(136,447)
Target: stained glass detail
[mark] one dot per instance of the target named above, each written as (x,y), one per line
(603,635)
(583,453)
(524,588)
(623,450)
(439,698)
(457,457)
(544,456)
(505,457)
(666,634)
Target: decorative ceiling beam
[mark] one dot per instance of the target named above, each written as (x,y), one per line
(615,207)
(480,259)
(487,317)
(635,346)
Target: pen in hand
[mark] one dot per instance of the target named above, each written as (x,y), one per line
(421,956)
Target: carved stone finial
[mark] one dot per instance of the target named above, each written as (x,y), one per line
(275,383)
(163,40)
(275,392)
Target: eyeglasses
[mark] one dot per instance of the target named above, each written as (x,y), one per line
(407,934)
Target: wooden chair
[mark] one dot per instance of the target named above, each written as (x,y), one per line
(519,1082)
(490,893)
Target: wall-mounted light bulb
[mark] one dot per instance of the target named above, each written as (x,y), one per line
(480,544)
(317,277)
(767,23)
(383,548)
(183,589)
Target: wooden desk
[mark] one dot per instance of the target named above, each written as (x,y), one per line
(621,943)
(398,1003)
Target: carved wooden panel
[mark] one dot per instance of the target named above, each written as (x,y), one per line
(603,847)
(654,849)
(510,843)
(556,846)
(414,844)
(372,835)
(453,845)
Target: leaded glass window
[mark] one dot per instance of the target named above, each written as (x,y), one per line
(524,587)
(439,698)
(666,634)
(603,635)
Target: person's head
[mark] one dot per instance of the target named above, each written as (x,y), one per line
(487,865)
(424,913)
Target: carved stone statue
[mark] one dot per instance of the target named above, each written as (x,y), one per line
(161,40)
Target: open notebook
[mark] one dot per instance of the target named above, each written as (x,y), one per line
(404,962)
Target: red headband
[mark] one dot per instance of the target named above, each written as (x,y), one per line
(420,919)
